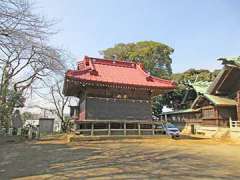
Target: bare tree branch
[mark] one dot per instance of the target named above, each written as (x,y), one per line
(60,102)
(25,56)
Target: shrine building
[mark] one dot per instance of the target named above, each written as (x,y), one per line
(113,90)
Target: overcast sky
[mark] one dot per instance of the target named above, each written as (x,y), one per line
(199,31)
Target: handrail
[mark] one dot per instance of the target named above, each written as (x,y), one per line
(234,124)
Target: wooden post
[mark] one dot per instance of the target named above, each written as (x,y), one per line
(4,131)
(30,133)
(19,131)
(92,129)
(153,132)
(38,132)
(238,106)
(230,122)
(109,128)
(217,117)
(139,128)
(10,131)
(124,128)
(166,117)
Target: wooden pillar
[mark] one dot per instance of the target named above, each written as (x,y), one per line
(10,131)
(139,128)
(19,131)
(166,117)
(124,128)
(238,105)
(92,129)
(230,122)
(30,130)
(109,128)
(216,116)
(153,132)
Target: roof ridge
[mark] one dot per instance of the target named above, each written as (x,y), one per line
(77,72)
(154,77)
(118,60)
(120,63)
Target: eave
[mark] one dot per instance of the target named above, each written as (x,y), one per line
(76,83)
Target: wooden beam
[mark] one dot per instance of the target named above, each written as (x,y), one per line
(224,79)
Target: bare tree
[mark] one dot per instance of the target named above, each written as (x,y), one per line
(25,56)
(60,102)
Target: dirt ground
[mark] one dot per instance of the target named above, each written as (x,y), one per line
(163,158)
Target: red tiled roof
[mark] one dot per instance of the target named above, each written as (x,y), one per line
(116,72)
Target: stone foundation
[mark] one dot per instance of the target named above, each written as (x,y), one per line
(210,132)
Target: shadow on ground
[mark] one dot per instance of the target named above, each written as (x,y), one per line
(112,159)
(187,137)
